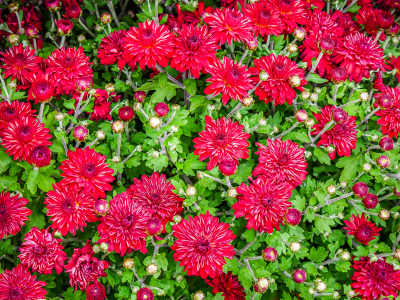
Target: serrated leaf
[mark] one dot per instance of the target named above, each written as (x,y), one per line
(191,163)
(316,78)
(322,156)
(190,86)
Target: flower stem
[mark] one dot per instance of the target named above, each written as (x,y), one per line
(160,69)
(327,126)
(127,130)
(5,88)
(21,30)
(156,11)
(112,10)
(41,109)
(35,46)
(85,27)
(235,110)
(64,145)
(349,6)
(378,35)
(369,116)
(286,132)
(62,42)
(360,209)
(315,65)
(335,92)
(92,143)
(119,145)
(96,9)
(149,6)
(283,52)
(386,42)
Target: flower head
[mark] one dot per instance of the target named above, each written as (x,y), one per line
(363,230)
(390,117)
(111,50)
(40,156)
(72,10)
(96,291)
(264,18)
(293,216)
(145,294)
(228,285)
(394,63)
(42,89)
(64,27)
(13,111)
(292,13)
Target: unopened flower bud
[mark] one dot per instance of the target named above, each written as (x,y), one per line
(331,189)
(345,255)
(383,161)
(211,107)
(179,278)
(397,254)
(396,215)
(300,33)
(395,40)
(374,137)
(105,18)
(301,116)
(262,122)
(292,48)
(135,289)
(191,191)
(327,234)
(57,234)
(116,159)
(81,38)
(59,116)
(343,184)
(263,76)
(118,126)
(247,101)
(154,122)
(305,94)
(336,295)
(109,88)
(351,293)
(384,214)
(199,295)
(320,287)
(307,154)
(314,97)
(152,269)
(330,149)
(155,154)
(252,44)
(318,90)
(104,247)
(177,218)
(295,81)
(232,193)
(373,258)
(101,207)
(299,276)
(295,247)
(261,285)
(13,7)
(96,248)
(80,133)
(311,291)
(270,254)
(13,39)
(276,129)
(128,263)
(238,115)
(340,216)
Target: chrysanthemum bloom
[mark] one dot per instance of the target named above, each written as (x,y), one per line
(154,226)
(68,209)
(228,285)
(358,54)
(371,280)
(263,203)
(299,276)
(390,117)
(202,245)
(394,63)
(283,161)
(367,17)
(96,291)
(156,195)
(66,66)
(371,201)
(264,18)
(111,50)
(42,252)
(19,283)
(338,75)
(386,143)
(84,267)
(42,89)
(346,22)
(270,254)
(145,294)
(64,27)
(15,110)
(126,113)
(53,5)
(363,229)
(40,156)
(20,63)
(229,78)
(293,216)
(24,134)
(72,10)
(195,48)
(161,109)
(292,13)
(149,44)
(13,214)
(29,17)
(343,135)
(360,189)
(86,170)
(384,20)
(277,87)
(221,140)
(320,24)
(229,25)
(124,226)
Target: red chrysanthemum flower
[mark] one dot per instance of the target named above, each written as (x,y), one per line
(155,194)
(24,134)
(292,13)
(13,111)
(42,89)
(229,78)
(221,140)
(20,63)
(202,245)
(263,204)
(66,66)
(394,63)
(363,229)
(30,17)
(19,283)
(195,49)
(111,50)
(282,161)
(367,17)
(371,280)
(320,24)
(13,214)
(229,25)
(124,226)
(390,117)
(86,170)
(359,55)
(232,3)
(264,18)
(68,209)
(346,22)
(148,45)
(280,70)
(310,3)
(84,268)
(343,135)
(42,252)
(228,285)
(96,291)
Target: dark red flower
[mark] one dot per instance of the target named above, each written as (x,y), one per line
(202,245)
(371,280)
(161,109)
(363,229)
(40,156)
(263,204)
(13,214)
(72,10)
(367,17)
(42,252)
(154,227)
(96,291)
(145,294)
(293,216)
(64,27)
(84,267)
(264,18)
(30,17)
(126,113)
(111,50)
(86,170)
(13,111)
(227,167)
(299,276)
(321,24)
(360,189)
(390,117)
(187,17)
(20,284)
(370,201)
(394,63)
(42,89)
(232,3)
(343,135)
(53,5)
(228,285)
(346,22)
(292,13)
(282,161)
(270,254)
(386,143)
(221,140)
(384,20)
(124,226)
(338,75)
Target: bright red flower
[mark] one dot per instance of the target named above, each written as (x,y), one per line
(13,214)
(229,25)
(390,117)
(363,229)
(148,45)
(30,18)
(367,17)
(229,78)
(96,291)
(343,135)
(187,17)
(64,27)
(72,10)
(221,140)
(371,280)
(68,209)
(232,3)
(13,111)
(42,252)
(292,13)
(124,226)
(282,161)
(195,49)
(24,134)
(86,170)
(42,89)
(84,268)
(228,285)
(111,50)
(359,55)
(156,195)
(394,63)
(20,63)
(66,66)
(263,204)
(310,3)
(277,87)
(321,24)
(202,245)
(264,18)
(346,22)
(20,284)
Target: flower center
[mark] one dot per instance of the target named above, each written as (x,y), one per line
(381,273)
(193,42)
(128,221)
(25,134)
(156,198)
(203,245)
(15,293)
(147,37)
(233,19)
(10,114)
(263,16)
(279,70)
(267,201)
(363,233)
(20,60)
(220,140)
(88,170)
(284,159)
(69,206)
(285,5)
(233,77)
(4,214)
(40,250)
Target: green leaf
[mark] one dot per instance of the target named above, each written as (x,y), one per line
(316,78)
(350,165)
(190,86)
(324,225)
(245,278)
(318,255)
(322,156)
(191,163)
(162,79)
(32,182)
(197,101)
(71,295)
